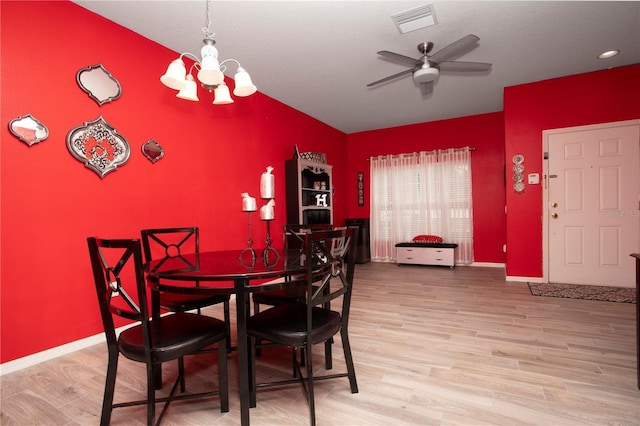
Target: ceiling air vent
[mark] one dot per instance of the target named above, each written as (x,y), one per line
(415,19)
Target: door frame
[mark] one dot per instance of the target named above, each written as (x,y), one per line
(545,182)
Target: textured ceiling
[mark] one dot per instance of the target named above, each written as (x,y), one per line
(318,56)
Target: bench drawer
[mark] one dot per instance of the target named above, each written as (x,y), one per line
(426,256)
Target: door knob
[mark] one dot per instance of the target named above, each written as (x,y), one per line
(554,215)
(554,204)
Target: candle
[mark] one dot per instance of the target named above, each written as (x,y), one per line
(248,203)
(267,184)
(267,212)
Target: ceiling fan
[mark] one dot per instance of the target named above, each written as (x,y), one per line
(426,69)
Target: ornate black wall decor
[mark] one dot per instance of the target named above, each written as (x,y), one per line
(97,144)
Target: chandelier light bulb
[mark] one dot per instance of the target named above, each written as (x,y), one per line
(221,95)
(174,78)
(244,85)
(190,90)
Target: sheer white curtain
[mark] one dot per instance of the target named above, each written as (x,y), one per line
(424,193)
(395,200)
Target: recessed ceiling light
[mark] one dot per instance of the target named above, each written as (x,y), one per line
(608,54)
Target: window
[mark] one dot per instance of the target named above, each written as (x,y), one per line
(424,193)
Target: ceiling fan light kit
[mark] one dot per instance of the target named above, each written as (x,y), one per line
(426,70)
(210,73)
(425,75)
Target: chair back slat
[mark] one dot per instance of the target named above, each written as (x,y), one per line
(119,281)
(293,234)
(331,267)
(168,246)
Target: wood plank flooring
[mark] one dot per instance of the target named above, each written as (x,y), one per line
(432,346)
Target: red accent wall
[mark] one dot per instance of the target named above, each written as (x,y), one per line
(591,98)
(484,132)
(51,202)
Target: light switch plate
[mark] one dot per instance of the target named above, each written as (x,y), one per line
(533,178)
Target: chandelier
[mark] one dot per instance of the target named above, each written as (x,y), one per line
(210,73)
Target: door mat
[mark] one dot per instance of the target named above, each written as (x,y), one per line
(588,292)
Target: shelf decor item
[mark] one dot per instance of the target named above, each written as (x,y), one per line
(317,157)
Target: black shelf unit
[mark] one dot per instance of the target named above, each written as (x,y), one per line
(309,191)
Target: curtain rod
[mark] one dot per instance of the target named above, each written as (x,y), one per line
(416,153)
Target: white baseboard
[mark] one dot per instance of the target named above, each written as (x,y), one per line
(488,264)
(37,358)
(480,264)
(525,279)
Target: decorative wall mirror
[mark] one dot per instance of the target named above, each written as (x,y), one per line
(101,86)
(152,150)
(28,129)
(97,144)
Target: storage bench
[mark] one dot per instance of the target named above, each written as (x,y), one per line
(415,253)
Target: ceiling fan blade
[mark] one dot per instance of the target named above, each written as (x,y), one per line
(464,66)
(401,58)
(426,88)
(463,45)
(391,77)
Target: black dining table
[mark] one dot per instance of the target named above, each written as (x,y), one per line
(230,272)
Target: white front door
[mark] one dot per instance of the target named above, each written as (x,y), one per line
(592,204)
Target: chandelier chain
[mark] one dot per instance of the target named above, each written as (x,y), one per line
(207,28)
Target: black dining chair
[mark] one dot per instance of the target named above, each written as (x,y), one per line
(121,289)
(330,266)
(168,246)
(292,241)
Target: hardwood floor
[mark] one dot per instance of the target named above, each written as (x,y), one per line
(432,346)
